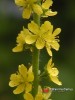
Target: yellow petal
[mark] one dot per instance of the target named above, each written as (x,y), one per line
(40,43)
(47,4)
(39,97)
(21,38)
(15,80)
(26,31)
(39,89)
(53,71)
(15,77)
(46,27)
(49,64)
(20,2)
(50,13)
(23,71)
(13,83)
(47,36)
(30,39)
(33,27)
(30,69)
(49,50)
(55,80)
(18,48)
(28,87)
(57,31)
(26,13)
(30,77)
(28,96)
(20,88)
(55,45)
(37,9)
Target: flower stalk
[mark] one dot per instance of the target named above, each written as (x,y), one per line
(35,64)
(35,58)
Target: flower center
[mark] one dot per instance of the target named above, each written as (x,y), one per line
(54,71)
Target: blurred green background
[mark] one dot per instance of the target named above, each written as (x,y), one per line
(11,24)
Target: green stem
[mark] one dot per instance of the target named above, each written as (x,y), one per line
(35,62)
(36,19)
(35,59)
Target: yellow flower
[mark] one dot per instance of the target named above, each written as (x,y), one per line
(53,72)
(48,12)
(40,95)
(29,6)
(20,41)
(22,80)
(43,36)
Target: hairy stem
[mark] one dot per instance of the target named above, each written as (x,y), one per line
(35,62)
(35,59)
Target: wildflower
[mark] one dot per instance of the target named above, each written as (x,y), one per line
(53,72)
(20,41)
(39,96)
(43,36)
(45,6)
(29,6)
(22,80)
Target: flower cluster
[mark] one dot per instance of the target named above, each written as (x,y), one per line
(41,95)
(42,36)
(39,37)
(23,80)
(32,6)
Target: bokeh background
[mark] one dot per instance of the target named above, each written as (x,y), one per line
(11,24)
